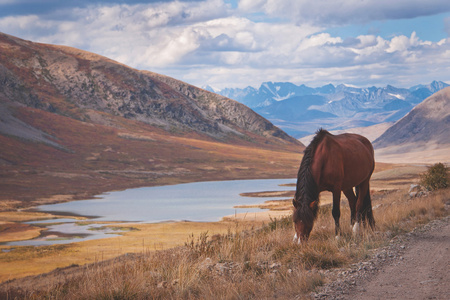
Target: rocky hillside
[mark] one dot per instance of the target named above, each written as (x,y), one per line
(79,84)
(75,124)
(426,126)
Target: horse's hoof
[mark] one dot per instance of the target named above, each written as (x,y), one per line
(356,228)
(297,240)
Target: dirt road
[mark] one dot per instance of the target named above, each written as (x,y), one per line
(414,266)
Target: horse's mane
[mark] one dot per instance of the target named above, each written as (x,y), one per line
(307,189)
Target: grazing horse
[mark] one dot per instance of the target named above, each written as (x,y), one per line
(334,163)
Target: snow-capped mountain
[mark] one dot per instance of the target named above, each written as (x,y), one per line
(300,110)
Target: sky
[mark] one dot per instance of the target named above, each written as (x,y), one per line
(240,43)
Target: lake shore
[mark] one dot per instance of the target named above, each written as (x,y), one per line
(25,261)
(19,226)
(22,261)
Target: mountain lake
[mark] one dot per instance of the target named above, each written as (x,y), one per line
(198,201)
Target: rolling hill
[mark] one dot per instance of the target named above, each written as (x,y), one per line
(74,124)
(424,131)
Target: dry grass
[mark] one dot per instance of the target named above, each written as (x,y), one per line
(29,260)
(23,216)
(400,213)
(260,263)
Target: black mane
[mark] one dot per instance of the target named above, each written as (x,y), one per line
(307,189)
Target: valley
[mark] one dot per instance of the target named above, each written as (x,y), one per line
(74,125)
(144,244)
(103,158)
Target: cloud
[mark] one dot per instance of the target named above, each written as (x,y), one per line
(208,42)
(139,35)
(343,12)
(25,7)
(320,59)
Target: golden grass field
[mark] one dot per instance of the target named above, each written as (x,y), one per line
(24,261)
(394,212)
(223,260)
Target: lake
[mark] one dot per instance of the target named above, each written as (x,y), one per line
(198,201)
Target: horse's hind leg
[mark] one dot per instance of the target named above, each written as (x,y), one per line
(336,210)
(352,203)
(362,189)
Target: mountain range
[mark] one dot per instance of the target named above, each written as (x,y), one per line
(420,137)
(300,110)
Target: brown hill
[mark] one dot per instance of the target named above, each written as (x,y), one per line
(424,130)
(76,123)
(78,84)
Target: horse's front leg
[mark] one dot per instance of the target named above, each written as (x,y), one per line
(336,211)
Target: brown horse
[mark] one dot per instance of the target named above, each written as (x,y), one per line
(334,163)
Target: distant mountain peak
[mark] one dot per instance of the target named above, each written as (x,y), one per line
(211,89)
(300,110)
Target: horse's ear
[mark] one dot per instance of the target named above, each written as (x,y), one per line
(314,205)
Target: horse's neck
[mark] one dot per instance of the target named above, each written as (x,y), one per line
(308,187)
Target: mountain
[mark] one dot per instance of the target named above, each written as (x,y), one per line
(75,83)
(428,124)
(300,110)
(74,124)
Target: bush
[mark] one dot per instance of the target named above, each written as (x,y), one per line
(435,178)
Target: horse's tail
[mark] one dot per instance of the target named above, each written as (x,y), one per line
(366,213)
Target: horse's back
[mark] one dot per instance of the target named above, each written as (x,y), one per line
(344,160)
(352,142)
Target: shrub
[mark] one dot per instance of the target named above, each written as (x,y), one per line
(435,178)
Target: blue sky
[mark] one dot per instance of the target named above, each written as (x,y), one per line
(237,43)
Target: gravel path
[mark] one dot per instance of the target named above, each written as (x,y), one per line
(413,266)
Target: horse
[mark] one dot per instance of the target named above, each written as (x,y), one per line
(334,163)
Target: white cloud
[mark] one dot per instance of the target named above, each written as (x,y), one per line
(318,40)
(400,44)
(207,42)
(23,23)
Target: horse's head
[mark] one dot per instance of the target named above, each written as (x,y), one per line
(303,217)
